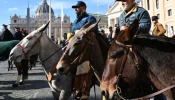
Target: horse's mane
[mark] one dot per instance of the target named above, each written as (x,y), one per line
(162,43)
(102,38)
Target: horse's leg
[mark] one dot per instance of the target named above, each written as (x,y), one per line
(64,95)
(19,69)
(9,63)
(25,68)
(56,95)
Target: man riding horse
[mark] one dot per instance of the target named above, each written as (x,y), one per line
(130,13)
(81,20)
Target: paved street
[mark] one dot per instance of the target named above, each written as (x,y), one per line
(35,88)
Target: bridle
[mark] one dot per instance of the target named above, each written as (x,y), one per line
(78,59)
(22,48)
(128,48)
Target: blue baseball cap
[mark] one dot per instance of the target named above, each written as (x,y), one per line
(79,3)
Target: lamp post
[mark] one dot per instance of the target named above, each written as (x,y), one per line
(50,25)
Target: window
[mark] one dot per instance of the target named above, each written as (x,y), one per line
(169,12)
(157,4)
(148,6)
(172,28)
(65,21)
(15,21)
(158,15)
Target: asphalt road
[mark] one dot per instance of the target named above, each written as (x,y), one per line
(35,88)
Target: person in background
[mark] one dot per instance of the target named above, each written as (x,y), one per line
(6,34)
(158,27)
(24,33)
(63,42)
(110,34)
(102,32)
(18,35)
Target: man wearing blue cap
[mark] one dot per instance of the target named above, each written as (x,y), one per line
(130,13)
(80,21)
(82,17)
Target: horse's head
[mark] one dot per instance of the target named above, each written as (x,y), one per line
(117,55)
(78,48)
(28,46)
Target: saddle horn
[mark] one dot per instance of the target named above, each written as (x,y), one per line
(43,27)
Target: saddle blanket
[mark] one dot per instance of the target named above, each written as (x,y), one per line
(6,47)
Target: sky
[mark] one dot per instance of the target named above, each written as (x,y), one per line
(19,7)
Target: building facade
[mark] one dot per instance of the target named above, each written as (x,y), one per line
(41,17)
(165,10)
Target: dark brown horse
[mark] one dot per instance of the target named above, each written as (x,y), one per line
(134,60)
(84,46)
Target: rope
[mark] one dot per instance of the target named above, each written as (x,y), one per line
(119,91)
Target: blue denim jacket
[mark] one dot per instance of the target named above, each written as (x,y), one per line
(82,20)
(138,13)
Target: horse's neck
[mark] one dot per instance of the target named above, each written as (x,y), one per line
(48,48)
(103,46)
(154,58)
(98,62)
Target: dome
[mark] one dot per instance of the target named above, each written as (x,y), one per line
(15,17)
(43,8)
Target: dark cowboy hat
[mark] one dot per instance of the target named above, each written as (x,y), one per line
(154,18)
(79,3)
(4,25)
(17,28)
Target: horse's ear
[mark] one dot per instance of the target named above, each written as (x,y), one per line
(86,25)
(128,34)
(43,27)
(92,27)
(133,28)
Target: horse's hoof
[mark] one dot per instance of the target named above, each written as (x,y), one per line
(21,83)
(15,85)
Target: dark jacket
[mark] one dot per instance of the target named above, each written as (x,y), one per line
(110,36)
(158,30)
(18,36)
(82,20)
(6,36)
(136,13)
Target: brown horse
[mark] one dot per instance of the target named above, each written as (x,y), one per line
(136,59)
(84,46)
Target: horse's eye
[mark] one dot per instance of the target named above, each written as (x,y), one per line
(29,38)
(76,44)
(116,54)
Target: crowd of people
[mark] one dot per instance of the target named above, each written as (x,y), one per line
(7,35)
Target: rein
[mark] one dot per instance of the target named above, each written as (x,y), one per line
(129,49)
